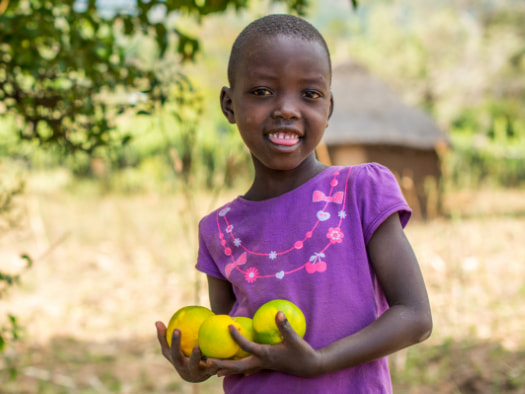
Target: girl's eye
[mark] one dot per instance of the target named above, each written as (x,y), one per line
(311,94)
(261,92)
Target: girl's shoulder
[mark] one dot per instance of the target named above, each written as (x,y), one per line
(363,174)
(211,217)
(371,169)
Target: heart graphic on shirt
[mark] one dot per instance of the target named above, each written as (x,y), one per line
(322,215)
(320,266)
(279,275)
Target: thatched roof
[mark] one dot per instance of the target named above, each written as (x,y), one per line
(367,112)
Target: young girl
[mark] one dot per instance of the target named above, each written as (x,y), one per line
(330,239)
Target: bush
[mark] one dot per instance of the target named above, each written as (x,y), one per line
(488,147)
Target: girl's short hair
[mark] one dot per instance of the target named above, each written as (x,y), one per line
(271,26)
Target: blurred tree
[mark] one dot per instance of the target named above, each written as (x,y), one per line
(64,71)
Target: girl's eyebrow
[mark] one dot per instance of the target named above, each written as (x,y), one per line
(316,79)
(275,77)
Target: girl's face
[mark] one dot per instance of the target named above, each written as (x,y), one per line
(280,100)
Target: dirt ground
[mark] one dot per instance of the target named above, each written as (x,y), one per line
(107,267)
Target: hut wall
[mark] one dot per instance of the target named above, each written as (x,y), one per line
(418,171)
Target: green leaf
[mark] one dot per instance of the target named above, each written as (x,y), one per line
(128,25)
(162,38)
(28,259)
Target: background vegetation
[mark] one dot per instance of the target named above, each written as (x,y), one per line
(109,116)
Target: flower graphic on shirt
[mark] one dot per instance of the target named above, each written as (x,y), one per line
(272,255)
(251,274)
(335,235)
(237,242)
(341,214)
(229,229)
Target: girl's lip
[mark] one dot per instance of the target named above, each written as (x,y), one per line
(284,137)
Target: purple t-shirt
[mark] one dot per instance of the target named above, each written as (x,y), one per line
(308,246)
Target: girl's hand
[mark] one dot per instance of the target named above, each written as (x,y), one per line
(293,355)
(192,369)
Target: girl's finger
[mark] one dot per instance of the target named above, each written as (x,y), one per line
(161,336)
(244,343)
(285,328)
(161,332)
(175,351)
(195,357)
(234,367)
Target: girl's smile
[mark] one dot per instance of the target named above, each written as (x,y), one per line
(285,138)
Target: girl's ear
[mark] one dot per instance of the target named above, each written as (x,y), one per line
(331,105)
(227,104)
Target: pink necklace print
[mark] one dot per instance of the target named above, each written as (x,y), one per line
(316,262)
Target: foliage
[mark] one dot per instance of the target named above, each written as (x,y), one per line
(56,66)
(64,71)
(497,158)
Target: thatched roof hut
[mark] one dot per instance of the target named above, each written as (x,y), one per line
(371,123)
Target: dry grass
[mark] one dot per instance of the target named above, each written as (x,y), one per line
(107,267)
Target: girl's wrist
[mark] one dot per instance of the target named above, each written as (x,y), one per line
(320,364)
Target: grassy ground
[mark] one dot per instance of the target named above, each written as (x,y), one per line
(107,267)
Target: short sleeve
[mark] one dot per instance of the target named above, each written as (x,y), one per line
(205,262)
(378,196)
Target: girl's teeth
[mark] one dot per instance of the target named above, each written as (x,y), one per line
(284,138)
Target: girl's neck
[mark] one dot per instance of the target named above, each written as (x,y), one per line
(273,183)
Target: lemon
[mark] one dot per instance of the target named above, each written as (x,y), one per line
(188,320)
(247,330)
(215,339)
(264,325)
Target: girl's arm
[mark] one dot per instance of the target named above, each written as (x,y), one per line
(406,322)
(221,294)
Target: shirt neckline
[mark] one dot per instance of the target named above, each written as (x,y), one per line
(327,171)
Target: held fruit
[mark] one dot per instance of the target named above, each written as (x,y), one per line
(247,330)
(264,325)
(215,340)
(188,320)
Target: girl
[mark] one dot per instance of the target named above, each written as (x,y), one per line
(330,239)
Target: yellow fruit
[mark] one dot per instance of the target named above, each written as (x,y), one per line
(247,330)
(188,320)
(215,339)
(266,330)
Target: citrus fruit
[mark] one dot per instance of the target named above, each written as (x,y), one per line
(247,330)
(215,339)
(264,325)
(188,320)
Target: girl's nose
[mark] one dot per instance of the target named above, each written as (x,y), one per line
(286,108)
